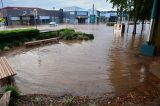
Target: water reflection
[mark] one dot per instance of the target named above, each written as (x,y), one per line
(129,69)
(109,64)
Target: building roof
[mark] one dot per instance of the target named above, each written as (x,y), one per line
(19,8)
(73,8)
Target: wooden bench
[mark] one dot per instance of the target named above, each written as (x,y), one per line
(5,68)
(4,101)
(38,42)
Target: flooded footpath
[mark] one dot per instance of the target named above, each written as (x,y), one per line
(109,65)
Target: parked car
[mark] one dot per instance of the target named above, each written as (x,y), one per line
(53,24)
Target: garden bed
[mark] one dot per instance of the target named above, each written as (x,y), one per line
(13,38)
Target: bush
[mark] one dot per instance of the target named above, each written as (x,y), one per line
(70,34)
(90,36)
(46,35)
(86,38)
(111,23)
(20,34)
(67,34)
(80,37)
(68,100)
(14,91)
(12,38)
(6,48)
(17,43)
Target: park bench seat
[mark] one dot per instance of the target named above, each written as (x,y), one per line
(38,42)
(5,68)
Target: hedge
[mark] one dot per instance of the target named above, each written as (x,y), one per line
(11,38)
(16,37)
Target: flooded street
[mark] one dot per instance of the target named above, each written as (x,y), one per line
(109,65)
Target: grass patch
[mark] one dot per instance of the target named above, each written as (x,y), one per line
(13,89)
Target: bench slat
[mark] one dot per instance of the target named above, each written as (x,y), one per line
(32,43)
(5,68)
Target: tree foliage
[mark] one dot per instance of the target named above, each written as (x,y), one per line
(137,9)
(2,20)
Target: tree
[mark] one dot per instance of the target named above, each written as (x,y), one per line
(121,6)
(2,20)
(137,9)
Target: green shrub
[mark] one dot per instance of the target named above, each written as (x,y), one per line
(111,23)
(17,43)
(46,35)
(21,33)
(67,34)
(86,38)
(12,38)
(14,91)
(92,103)
(6,48)
(80,37)
(70,34)
(91,36)
(68,100)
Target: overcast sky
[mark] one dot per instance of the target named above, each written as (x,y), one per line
(49,4)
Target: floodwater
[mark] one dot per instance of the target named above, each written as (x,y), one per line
(109,65)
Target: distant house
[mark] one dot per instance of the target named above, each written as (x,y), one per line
(108,16)
(30,15)
(73,15)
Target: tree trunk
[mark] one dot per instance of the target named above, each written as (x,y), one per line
(135,18)
(135,27)
(142,26)
(128,24)
(121,15)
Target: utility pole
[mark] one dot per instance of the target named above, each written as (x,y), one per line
(53,14)
(35,17)
(93,10)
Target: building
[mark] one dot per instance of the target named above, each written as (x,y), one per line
(74,15)
(108,16)
(93,17)
(30,15)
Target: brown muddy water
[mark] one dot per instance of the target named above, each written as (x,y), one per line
(109,65)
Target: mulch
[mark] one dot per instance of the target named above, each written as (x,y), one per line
(146,94)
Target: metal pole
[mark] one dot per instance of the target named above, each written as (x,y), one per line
(35,17)
(93,9)
(154,19)
(53,14)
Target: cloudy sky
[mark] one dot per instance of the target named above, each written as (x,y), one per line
(49,4)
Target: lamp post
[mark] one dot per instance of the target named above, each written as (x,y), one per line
(53,14)
(35,16)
